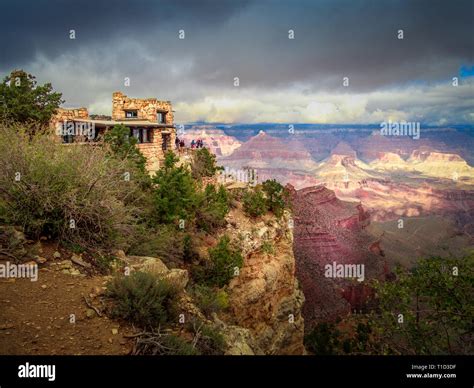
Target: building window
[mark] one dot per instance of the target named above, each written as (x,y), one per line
(143,135)
(166,141)
(161,117)
(136,134)
(130,114)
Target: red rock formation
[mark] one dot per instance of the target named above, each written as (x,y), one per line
(329,230)
(407,200)
(376,249)
(269,153)
(357,295)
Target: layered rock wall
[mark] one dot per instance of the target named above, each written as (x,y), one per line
(265,298)
(327,231)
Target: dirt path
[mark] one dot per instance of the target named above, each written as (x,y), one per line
(35,316)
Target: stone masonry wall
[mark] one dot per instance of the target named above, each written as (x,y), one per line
(146,107)
(153,154)
(63,114)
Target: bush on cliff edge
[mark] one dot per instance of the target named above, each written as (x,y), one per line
(73,193)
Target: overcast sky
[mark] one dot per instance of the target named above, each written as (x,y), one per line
(282,80)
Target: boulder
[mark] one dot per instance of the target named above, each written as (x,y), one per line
(153,265)
(120,255)
(178,277)
(239,341)
(77,259)
(65,264)
(40,260)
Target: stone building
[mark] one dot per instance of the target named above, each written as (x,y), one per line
(70,114)
(150,121)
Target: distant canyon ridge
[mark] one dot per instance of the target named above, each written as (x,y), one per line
(358,198)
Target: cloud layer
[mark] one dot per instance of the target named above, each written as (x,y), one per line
(280,79)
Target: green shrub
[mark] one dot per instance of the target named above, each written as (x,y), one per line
(210,300)
(268,247)
(123,146)
(75,248)
(435,298)
(189,249)
(328,338)
(12,242)
(156,343)
(141,299)
(177,346)
(104,263)
(214,206)
(203,164)
(223,260)
(254,203)
(163,241)
(73,193)
(323,339)
(175,196)
(275,196)
(22,100)
(210,342)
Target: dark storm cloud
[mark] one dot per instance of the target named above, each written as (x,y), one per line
(33,26)
(333,38)
(234,38)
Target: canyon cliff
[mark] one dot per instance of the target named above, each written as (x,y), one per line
(327,231)
(265,298)
(270,154)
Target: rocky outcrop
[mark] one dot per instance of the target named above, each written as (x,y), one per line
(427,162)
(388,161)
(427,155)
(238,340)
(265,298)
(408,200)
(178,277)
(441,165)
